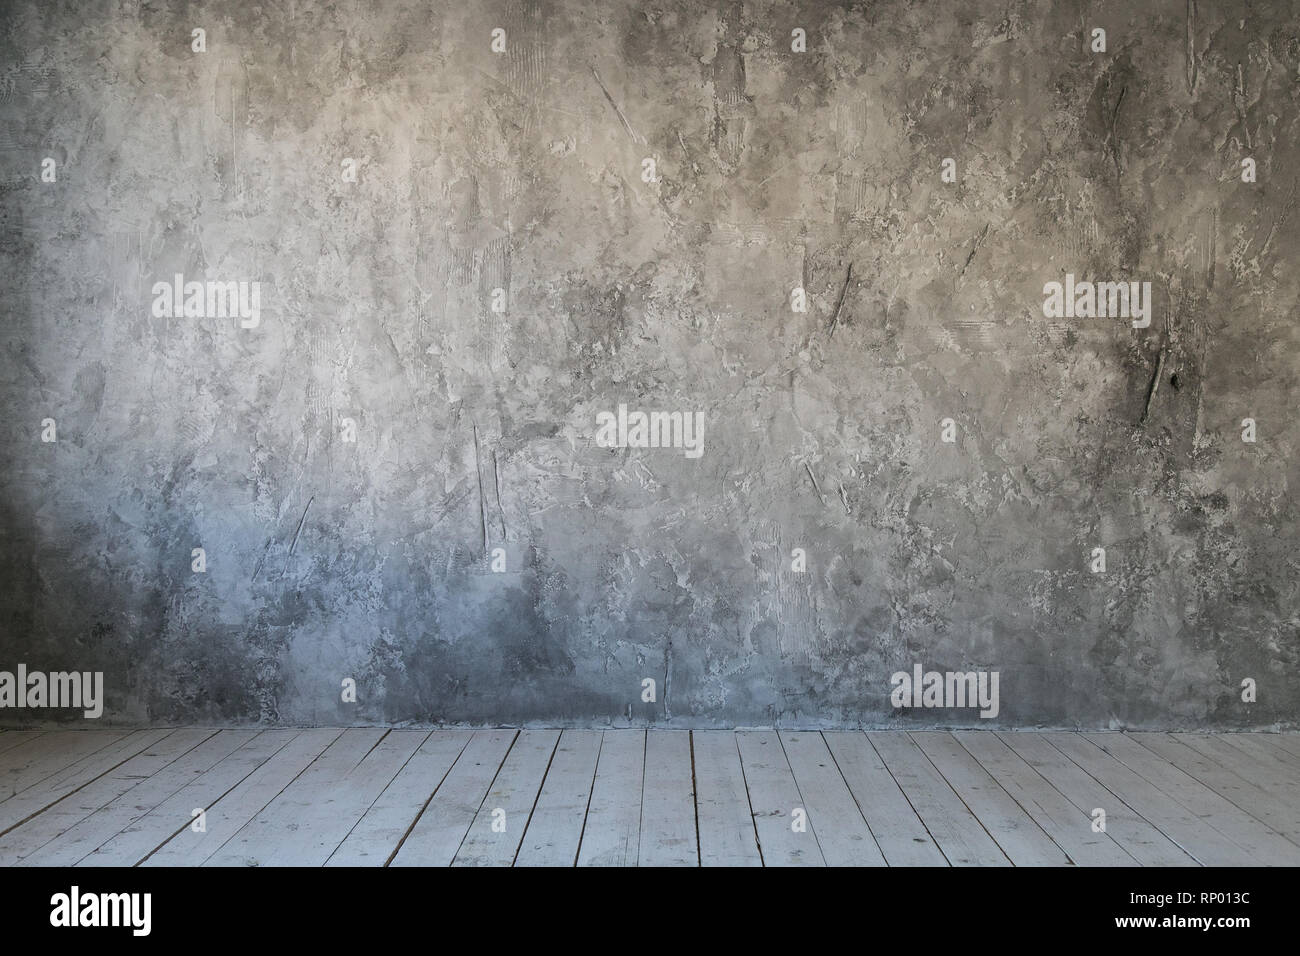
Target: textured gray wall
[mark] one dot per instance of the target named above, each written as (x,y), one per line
(476,429)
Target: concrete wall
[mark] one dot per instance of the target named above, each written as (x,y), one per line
(823,430)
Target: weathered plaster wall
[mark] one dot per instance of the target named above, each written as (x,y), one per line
(476,430)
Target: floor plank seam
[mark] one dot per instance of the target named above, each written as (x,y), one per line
(758,840)
(75,790)
(1161,790)
(159,803)
(862,813)
(640,817)
(1223,796)
(425,806)
(695,801)
(916,813)
(799,791)
(307,766)
(536,797)
(186,825)
(1122,802)
(577,853)
(960,798)
(1012,797)
(486,793)
(330,796)
(379,795)
(65,768)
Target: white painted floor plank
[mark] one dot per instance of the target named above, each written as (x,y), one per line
(371,796)
(41,758)
(842,833)
(176,813)
(668,802)
(499,826)
(1279,789)
(331,816)
(13,738)
(276,830)
(441,828)
(1022,840)
(899,832)
(1139,838)
(1270,756)
(611,835)
(381,829)
(312,816)
(1231,782)
(1196,836)
(774,797)
(726,822)
(49,790)
(28,761)
(118,814)
(228,815)
(555,829)
(1272,775)
(955,829)
(1264,846)
(1287,741)
(1060,819)
(24,842)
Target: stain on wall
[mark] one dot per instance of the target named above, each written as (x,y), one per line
(475,411)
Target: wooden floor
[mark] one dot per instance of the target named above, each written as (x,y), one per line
(374,797)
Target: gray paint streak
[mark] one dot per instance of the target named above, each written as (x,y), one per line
(475,430)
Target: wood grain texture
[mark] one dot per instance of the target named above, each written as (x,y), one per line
(671,798)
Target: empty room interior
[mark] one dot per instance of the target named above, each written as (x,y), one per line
(675,433)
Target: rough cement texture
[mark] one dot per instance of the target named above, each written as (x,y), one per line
(475,430)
